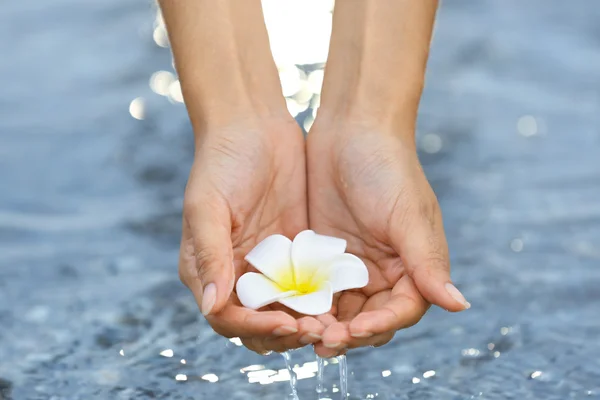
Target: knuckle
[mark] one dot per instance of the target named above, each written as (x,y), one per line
(411,317)
(436,258)
(205,258)
(250,344)
(277,345)
(247,343)
(418,311)
(183,276)
(414,319)
(221,330)
(384,339)
(260,347)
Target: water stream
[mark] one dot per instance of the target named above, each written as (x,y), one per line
(90,210)
(320,371)
(287,356)
(343,365)
(320,382)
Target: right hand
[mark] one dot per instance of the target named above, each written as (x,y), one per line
(247,182)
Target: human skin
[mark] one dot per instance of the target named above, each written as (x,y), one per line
(248,179)
(365,182)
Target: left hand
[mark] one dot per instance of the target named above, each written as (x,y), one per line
(366,185)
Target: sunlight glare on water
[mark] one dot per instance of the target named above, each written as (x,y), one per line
(96,151)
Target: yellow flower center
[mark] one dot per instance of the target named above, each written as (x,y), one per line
(304,282)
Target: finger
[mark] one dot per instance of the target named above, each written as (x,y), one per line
(422,245)
(210,226)
(326,319)
(188,271)
(237,321)
(255,344)
(389,311)
(325,352)
(309,331)
(335,339)
(187,259)
(336,336)
(374,341)
(350,304)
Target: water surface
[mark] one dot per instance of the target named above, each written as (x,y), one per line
(90,200)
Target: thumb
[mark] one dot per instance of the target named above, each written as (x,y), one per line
(423,249)
(210,229)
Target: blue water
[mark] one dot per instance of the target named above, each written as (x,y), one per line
(90,199)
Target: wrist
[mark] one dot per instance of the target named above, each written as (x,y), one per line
(233,105)
(368,96)
(389,118)
(350,117)
(223,59)
(332,131)
(376,66)
(231,86)
(242,129)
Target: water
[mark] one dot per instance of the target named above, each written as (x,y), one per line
(320,380)
(287,356)
(90,202)
(343,365)
(320,389)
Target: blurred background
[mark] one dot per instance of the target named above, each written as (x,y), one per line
(95,147)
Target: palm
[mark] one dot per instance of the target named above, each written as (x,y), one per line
(256,181)
(262,182)
(356,189)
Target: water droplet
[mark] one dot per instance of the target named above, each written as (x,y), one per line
(167,353)
(212,378)
(428,374)
(535,374)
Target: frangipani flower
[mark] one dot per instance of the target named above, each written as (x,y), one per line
(302,275)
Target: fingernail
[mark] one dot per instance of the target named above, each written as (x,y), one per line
(284,330)
(309,338)
(361,334)
(209,298)
(457,295)
(332,345)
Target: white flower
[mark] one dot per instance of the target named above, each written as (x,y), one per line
(302,275)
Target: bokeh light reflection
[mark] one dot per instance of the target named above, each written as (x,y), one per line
(137,108)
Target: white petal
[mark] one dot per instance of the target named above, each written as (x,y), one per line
(315,303)
(311,251)
(272,257)
(256,291)
(346,272)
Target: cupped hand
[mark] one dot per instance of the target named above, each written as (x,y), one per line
(366,185)
(248,181)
